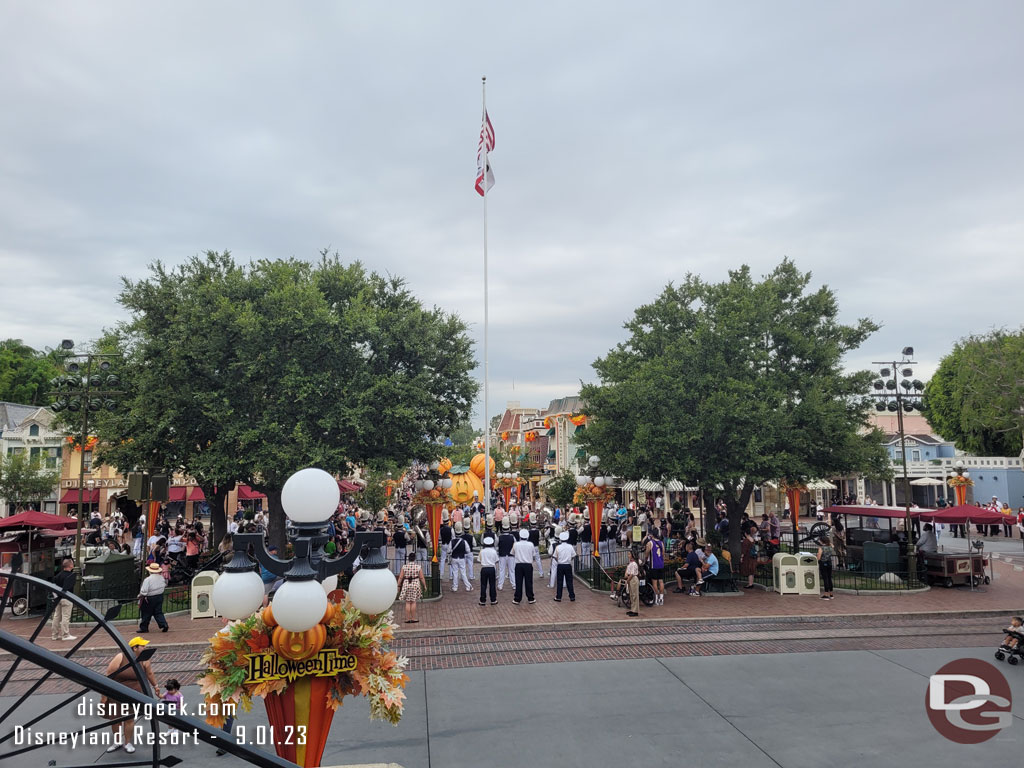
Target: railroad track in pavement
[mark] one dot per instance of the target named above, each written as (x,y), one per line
(445,649)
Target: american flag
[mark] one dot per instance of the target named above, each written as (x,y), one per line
(483,164)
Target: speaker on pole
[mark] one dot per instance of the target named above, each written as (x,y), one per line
(159,486)
(138,486)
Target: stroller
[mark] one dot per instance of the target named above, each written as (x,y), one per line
(621,595)
(1012,655)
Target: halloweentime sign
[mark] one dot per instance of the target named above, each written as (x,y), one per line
(269,666)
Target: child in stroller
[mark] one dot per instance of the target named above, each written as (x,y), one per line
(1011,646)
(620,588)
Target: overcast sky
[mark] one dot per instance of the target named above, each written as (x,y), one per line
(878,144)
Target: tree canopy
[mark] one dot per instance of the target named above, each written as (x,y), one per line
(976,397)
(734,383)
(25,373)
(24,480)
(252,372)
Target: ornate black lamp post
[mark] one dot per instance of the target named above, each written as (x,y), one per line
(309,498)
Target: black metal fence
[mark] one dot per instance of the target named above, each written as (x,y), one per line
(178,598)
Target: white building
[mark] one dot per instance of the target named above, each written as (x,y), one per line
(27,429)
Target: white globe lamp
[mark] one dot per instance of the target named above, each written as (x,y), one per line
(299,605)
(593,461)
(582,480)
(599,481)
(310,496)
(238,595)
(373,587)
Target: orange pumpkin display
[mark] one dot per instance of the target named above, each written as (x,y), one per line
(268,617)
(445,465)
(463,486)
(299,645)
(476,466)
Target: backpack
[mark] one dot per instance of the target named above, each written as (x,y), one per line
(754,550)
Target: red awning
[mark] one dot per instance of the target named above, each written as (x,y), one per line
(346,487)
(245,493)
(965,513)
(197,494)
(34,519)
(890,513)
(176,493)
(88,497)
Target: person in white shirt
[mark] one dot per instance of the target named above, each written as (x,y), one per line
(459,550)
(564,554)
(232,527)
(506,563)
(488,571)
(523,552)
(151,594)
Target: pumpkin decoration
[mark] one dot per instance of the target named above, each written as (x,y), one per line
(444,465)
(268,617)
(463,485)
(299,645)
(435,493)
(476,466)
(504,435)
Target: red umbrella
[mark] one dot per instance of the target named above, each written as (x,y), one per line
(34,519)
(964,514)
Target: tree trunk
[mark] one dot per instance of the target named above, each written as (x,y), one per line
(710,513)
(218,497)
(275,529)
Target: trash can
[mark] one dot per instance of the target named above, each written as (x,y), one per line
(202,594)
(785,573)
(808,579)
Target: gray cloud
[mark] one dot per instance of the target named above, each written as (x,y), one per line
(880,146)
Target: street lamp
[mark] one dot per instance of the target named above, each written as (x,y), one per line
(89,392)
(897,397)
(309,498)
(601,483)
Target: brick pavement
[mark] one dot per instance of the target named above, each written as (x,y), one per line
(461,611)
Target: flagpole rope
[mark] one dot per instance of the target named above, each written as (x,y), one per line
(487,419)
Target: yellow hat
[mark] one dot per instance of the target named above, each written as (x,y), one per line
(137,642)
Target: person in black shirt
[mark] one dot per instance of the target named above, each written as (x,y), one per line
(398,538)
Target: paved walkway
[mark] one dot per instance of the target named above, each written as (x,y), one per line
(461,610)
(842,709)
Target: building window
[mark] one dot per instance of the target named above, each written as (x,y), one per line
(15,451)
(35,453)
(897,455)
(87,460)
(915,455)
(52,459)
(33,431)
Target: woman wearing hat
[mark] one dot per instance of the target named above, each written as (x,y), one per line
(151,599)
(120,671)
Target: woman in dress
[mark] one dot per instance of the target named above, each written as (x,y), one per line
(413,585)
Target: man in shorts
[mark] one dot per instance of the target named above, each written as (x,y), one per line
(655,551)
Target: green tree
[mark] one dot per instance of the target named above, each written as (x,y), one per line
(374,496)
(976,397)
(24,480)
(25,374)
(734,383)
(253,372)
(561,489)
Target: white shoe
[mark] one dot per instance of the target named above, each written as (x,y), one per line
(129,748)
(113,748)
(68,637)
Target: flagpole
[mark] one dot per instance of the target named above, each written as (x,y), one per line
(487,420)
